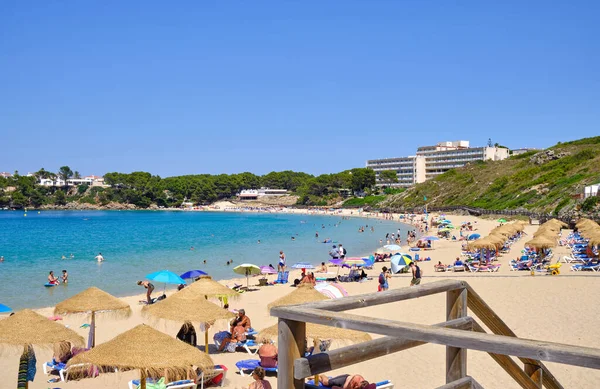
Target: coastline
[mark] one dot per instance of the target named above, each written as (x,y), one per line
(503,291)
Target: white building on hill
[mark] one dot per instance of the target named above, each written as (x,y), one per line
(431,161)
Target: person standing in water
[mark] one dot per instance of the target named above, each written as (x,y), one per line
(99,257)
(65,277)
(51,279)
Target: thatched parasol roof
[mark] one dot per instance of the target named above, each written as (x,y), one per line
(583,222)
(483,243)
(206,286)
(187,305)
(541,242)
(594,240)
(146,349)
(496,239)
(301,295)
(318,331)
(558,223)
(93,300)
(29,328)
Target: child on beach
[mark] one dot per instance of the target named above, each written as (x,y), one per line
(65,277)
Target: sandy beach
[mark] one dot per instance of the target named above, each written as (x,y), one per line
(559,308)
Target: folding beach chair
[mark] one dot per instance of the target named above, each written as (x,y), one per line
(282,277)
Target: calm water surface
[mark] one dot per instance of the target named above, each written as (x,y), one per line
(135,243)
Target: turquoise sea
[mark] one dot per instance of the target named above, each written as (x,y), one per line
(136,243)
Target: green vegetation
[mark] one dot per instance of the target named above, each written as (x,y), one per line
(144,190)
(363,202)
(538,181)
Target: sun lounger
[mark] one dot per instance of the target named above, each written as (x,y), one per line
(458,268)
(251,364)
(247,344)
(387,384)
(63,371)
(214,377)
(133,384)
(282,277)
(580,267)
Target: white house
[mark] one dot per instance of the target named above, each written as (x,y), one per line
(591,190)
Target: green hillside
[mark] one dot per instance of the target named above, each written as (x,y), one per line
(542,181)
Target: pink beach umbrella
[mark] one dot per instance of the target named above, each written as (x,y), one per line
(267,270)
(332,291)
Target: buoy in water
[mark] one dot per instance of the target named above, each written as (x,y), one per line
(24,214)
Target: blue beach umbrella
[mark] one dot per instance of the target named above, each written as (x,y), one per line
(392,247)
(4,308)
(399,262)
(430,238)
(167,277)
(474,237)
(193,274)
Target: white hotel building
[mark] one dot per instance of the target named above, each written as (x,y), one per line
(431,161)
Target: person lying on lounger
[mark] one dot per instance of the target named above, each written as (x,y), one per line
(347,381)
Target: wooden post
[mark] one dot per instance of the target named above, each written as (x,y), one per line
(93,328)
(292,335)
(456,358)
(142,379)
(535,372)
(206,340)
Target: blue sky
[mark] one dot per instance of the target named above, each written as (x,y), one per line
(318,86)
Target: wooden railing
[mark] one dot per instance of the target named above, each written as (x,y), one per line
(458,333)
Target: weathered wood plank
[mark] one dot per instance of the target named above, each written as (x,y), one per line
(475,384)
(291,338)
(356,353)
(510,366)
(456,358)
(389,296)
(535,372)
(485,313)
(461,383)
(546,351)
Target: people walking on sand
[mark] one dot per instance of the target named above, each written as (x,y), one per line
(383,280)
(416,274)
(99,257)
(334,253)
(281,265)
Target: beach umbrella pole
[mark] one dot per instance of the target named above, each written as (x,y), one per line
(205,339)
(142,379)
(93,329)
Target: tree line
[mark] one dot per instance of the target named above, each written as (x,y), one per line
(144,189)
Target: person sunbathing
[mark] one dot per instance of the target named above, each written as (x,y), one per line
(238,334)
(322,268)
(347,381)
(240,319)
(268,354)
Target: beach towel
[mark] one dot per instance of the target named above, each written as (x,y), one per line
(27,367)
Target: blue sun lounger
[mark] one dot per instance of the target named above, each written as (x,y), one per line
(387,384)
(282,277)
(251,364)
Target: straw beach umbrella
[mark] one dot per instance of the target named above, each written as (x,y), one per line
(320,332)
(483,243)
(541,242)
(186,305)
(90,302)
(152,352)
(27,328)
(207,287)
(304,293)
(308,294)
